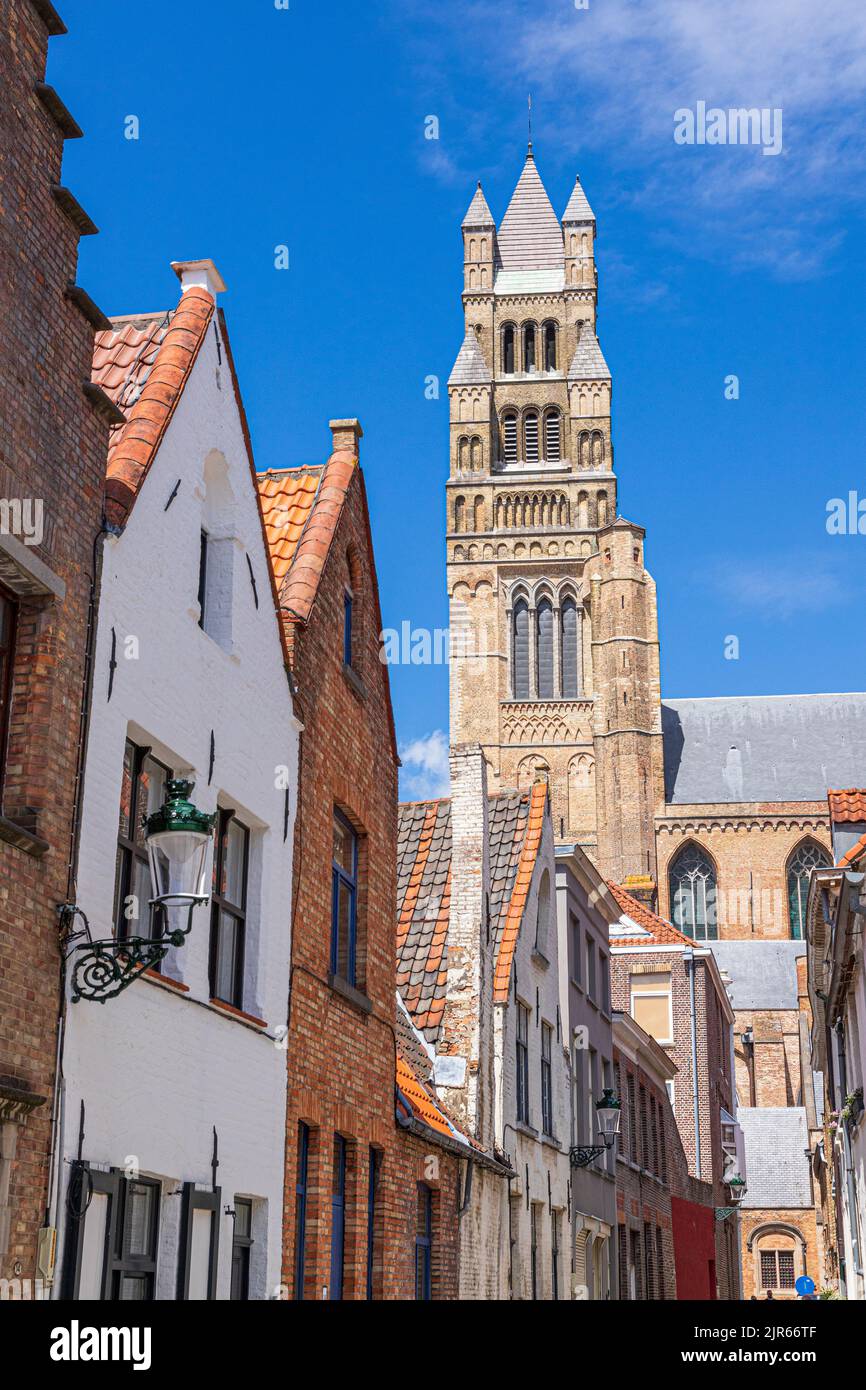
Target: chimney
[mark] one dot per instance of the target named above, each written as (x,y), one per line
(199,274)
(464,1067)
(347,436)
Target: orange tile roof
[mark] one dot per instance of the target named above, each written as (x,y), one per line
(662,932)
(422,1103)
(315,516)
(143,364)
(517,901)
(855,852)
(847,805)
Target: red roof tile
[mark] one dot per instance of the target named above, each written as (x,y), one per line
(854,854)
(847,805)
(662,932)
(423,1103)
(517,900)
(293,508)
(143,364)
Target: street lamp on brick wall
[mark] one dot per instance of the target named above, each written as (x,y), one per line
(609,1112)
(177,837)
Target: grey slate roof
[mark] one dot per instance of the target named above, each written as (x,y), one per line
(763,973)
(762,747)
(588,362)
(478,213)
(777,1168)
(578,209)
(470,369)
(530,237)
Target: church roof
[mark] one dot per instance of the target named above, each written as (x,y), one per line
(578,209)
(762,748)
(470,369)
(588,362)
(763,974)
(530,237)
(478,213)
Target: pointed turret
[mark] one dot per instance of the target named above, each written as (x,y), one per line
(578,232)
(470,369)
(578,209)
(478,213)
(479,245)
(530,237)
(588,362)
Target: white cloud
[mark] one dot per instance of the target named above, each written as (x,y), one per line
(425,774)
(779,589)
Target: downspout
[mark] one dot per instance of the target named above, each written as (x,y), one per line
(689,958)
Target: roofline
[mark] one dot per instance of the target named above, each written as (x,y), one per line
(585,871)
(793,695)
(644,1043)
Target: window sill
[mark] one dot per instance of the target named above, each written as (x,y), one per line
(539,958)
(231,1012)
(354,680)
(23,837)
(551,1141)
(166,981)
(351,995)
(523,1128)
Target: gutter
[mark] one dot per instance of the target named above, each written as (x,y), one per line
(689,958)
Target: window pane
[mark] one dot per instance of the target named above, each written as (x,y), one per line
(343,962)
(226,962)
(569,650)
(233,886)
(134,1288)
(150,795)
(93,1247)
(344,847)
(786,1269)
(545,650)
(139,1219)
(509,438)
(652,1012)
(530,436)
(200,1251)
(126,790)
(521,651)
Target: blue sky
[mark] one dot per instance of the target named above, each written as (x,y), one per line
(305,127)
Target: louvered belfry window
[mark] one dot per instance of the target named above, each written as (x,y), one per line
(509,438)
(530,436)
(520,650)
(552,444)
(544,622)
(568,655)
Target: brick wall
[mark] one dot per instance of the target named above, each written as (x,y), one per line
(52,447)
(645,1246)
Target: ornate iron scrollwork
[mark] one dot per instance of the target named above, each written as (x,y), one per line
(104,969)
(581,1155)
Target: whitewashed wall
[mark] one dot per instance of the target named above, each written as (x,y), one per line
(158,1070)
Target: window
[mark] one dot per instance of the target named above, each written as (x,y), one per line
(651,1004)
(533,1248)
(142,793)
(373,1171)
(228,910)
(552,437)
(424,1244)
(590,969)
(8,627)
(508,350)
(198,1251)
(345,900)
(604,978)
(530,436)
(555,1220)
(576,947)
(660,1263)
(542,920)
(617,1086)
(242,1242)
(135,1257)
(112,1247)
(520,650)
(632,1119)
(202,578)
(807,857)
(523,1063)
(529,348)
(550,347)
(509,437)
(692,882)
(347,628)
(777,1269)
(301,1209)
(568,646)
(644,1130)
(577,1118)
(338,1217)
(546,1079)
(544,649)
(648,1257)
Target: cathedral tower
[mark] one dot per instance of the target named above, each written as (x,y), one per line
(554,663)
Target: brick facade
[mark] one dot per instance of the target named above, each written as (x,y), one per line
(53,448)
(342,1041)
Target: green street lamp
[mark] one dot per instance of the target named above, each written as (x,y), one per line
(609,1113)
(177,838)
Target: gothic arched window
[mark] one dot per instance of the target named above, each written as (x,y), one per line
(530,436)
(568,650)
(509,437)
(544,649)
(550,347)
(692,881)
(806,857)
(520,650)
(552,437)
(529,348)
(508,349)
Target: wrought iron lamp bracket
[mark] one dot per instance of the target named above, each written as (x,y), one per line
(103,969)
(581,1155)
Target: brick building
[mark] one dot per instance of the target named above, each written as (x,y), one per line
(53,440)
(674,990)
(373,1166)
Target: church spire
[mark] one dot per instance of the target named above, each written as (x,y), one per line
(530,237)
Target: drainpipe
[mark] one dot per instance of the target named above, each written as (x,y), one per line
(689,958)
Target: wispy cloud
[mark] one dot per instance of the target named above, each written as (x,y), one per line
(778,589)
(424,774)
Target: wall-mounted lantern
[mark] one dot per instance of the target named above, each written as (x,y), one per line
(609,1114)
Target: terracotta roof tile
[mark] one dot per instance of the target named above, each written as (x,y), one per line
(854,854)
(661,932)
(302,509)
(143,364)
(510,931)
(420,1100)
(847,805)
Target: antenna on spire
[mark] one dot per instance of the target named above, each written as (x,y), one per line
(529,106)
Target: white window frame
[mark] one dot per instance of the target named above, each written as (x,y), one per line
(654,994)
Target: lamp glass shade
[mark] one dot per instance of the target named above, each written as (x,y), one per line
(177,863)
(609,1115)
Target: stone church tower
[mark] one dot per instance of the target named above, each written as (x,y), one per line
(554,665)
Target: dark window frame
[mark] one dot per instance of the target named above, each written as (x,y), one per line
(338,1218)
(424,1244)
(237,911)
(202,577)
(547,1079)
(191,1201)
(241,1254)
(522,1062)
(375,1159)
(129,851)
(301,1189)
(341,879)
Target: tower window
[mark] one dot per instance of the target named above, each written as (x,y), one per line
(550,347)
(530,436)
(508,350)
(544,649)
(692,885)
(509,438)
(568,658)
(552,437)
(520,650)
(529,348)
